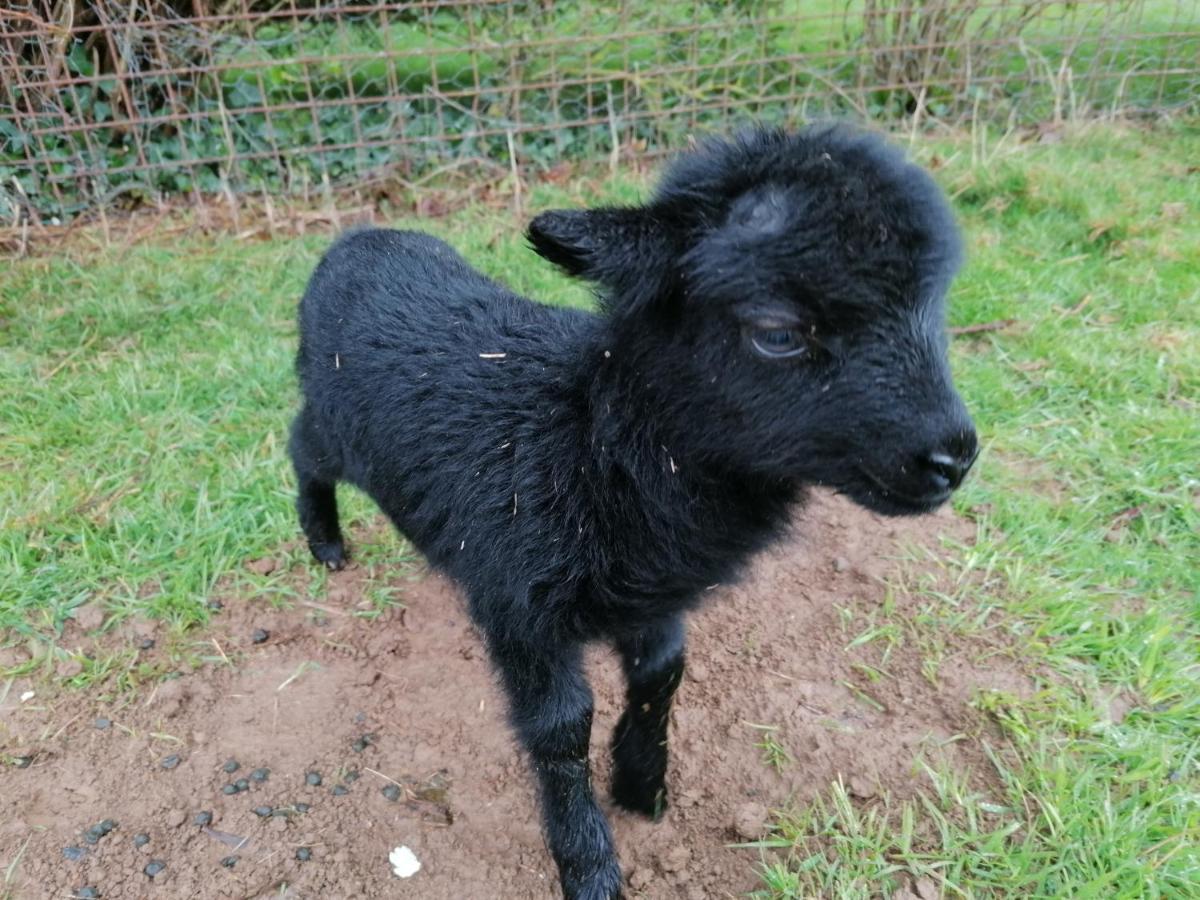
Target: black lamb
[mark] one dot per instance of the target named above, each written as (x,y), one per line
(770,320)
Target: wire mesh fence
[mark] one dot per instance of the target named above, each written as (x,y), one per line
(120,103)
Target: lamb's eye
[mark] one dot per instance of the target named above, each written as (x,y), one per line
(778,343)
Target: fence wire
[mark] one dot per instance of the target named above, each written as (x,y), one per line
(119,103)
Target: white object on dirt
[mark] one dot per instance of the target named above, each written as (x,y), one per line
(27,696)
(404,862)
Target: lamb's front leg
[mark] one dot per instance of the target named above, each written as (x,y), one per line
(551,709)
(653,663)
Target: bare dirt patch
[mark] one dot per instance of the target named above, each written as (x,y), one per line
(407,703)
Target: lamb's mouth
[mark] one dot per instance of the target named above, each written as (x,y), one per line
(924,503)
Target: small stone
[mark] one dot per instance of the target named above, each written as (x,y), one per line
(351,777)
(216,605)
(1119,707)
(392,792)
(675,859)
(861,787)
(105,827)
(175,818)
(202,818)
(141,840)
(262,566)
(69,668)
(154,867)
(146,644)
(640,878)
(12,657)
(73,854)
(260,775)
(840,564)
(340,790)
(242,784)
(404,862)
(22,762)
(927,888)
(697,672)
(170,762)
(102,724)
(260,635)
(231,766)
(359,746)
(87,893)
(229,862)
(229,790)
(303,854)
(262,811)
(313,779)
(89,617)
(749,820)
(302,807)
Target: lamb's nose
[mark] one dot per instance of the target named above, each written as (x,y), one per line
(949,465)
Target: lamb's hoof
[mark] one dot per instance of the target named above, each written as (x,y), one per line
(332,554)
(636,797)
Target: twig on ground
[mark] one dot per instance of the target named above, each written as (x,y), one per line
(981,327)
(1083,301)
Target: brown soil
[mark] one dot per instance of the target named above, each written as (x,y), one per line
(769,652)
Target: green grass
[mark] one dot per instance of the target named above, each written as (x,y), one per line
(145,394)
(774,753)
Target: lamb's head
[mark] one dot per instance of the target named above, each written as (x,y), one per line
(782,298)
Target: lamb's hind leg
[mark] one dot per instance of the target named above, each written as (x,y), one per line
(653,663)
(317,472)
(551,710)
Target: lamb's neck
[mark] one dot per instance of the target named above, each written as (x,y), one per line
(673,521)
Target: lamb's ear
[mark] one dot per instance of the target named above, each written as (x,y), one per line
(610,246)
(564,238)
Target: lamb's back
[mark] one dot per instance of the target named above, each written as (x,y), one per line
(450,399)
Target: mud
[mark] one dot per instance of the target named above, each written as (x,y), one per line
(407,702)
